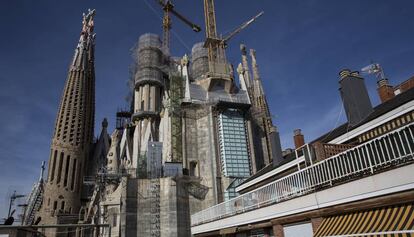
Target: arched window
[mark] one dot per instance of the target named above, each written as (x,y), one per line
(193,168)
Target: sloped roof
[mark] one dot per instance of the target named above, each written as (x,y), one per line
(379,110)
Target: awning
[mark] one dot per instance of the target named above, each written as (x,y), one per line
(383,222)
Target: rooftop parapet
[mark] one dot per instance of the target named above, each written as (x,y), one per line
(390,151)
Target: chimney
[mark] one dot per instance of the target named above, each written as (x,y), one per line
(298,138)
(354,96)
(385,90)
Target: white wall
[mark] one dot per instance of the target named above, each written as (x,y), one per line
(298,230)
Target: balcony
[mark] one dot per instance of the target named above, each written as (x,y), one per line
(392,150)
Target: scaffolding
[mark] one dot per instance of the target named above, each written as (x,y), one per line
(123,117)
(154,171)
(176,92)
(155,222)
(34,201)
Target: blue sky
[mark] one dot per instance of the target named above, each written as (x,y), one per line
(301,46)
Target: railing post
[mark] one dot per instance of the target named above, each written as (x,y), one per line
(242,204)
(408,141)
(309,175)
(296,154)
(369,158)
(329,172)
(392,147)
(402,144)
(309,153)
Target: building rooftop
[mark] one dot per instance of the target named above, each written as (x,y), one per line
(379,110)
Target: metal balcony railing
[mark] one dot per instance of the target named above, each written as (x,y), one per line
(385,152)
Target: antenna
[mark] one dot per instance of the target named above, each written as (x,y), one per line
(375,69)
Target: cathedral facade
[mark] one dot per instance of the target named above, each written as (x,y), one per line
(194,131)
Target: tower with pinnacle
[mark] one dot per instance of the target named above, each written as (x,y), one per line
(73,134)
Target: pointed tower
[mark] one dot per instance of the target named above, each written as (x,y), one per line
(272,151)
(245,65)
(73,133)
(149,86)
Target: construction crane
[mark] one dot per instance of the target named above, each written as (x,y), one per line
(240,28)
(10,219)
(168,8)
(213,43)
(175,80)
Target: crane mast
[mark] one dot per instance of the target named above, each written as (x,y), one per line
(216,45)
(212,41)
(168,8)
(166,27)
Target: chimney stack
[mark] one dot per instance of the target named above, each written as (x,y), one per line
(298,138)
(354,96)
(385,90)
(276,147)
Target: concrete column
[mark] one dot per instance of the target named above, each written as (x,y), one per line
(157,98)
(139,99)
(278,230)
(136,101)
(145,97)
(153,95)
(136,144)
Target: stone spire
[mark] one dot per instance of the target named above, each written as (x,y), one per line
(257,83)
(263,116)
(242,80)
(42,170)
(245,64)
(73,133)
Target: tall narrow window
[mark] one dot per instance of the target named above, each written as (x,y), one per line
(59,170)
(65,181)
(52,174)
(233,144)
(193,168)
(73,175)
(114,220)
(78,184)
